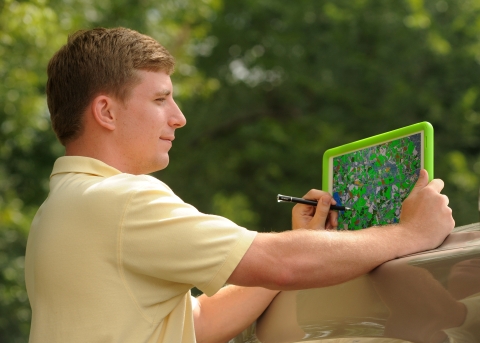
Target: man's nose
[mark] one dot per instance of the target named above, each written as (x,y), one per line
(177,119)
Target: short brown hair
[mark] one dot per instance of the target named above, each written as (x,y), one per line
(93,62)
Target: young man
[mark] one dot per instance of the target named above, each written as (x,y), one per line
(113,253)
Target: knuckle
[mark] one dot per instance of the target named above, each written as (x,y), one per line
(314,190)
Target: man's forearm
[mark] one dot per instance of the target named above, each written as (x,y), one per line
(306,258)
(223,316)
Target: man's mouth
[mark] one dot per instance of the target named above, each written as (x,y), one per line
(167,138)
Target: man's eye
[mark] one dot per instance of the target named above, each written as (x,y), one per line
(160,99)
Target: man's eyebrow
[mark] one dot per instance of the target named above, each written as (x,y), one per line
(163,92)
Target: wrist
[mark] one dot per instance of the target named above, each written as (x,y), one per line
(399,239)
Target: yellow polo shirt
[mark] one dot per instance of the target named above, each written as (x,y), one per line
(111,257)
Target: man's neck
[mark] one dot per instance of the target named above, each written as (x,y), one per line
(94,149)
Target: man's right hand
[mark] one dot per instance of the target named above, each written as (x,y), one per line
(425,217)
(315,218)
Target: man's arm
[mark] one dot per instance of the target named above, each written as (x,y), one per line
(231,310)
(313,257)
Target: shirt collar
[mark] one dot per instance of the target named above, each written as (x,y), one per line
(81,164)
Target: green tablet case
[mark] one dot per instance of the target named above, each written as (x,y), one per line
(374,175)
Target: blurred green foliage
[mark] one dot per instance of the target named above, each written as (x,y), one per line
(296,79)
(266,87)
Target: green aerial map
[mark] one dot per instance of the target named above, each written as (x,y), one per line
(374,182)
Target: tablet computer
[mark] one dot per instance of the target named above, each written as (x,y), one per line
(374,175)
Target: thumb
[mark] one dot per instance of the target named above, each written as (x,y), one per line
(422,181)
(323,208)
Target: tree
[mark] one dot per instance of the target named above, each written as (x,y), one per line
(295,79)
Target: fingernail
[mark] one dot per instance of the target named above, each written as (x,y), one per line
(326,201)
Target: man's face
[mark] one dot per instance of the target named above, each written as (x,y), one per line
(146,123)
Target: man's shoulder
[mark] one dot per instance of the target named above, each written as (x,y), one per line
(129,186)
(136,182)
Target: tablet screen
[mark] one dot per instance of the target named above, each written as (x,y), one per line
(375,180)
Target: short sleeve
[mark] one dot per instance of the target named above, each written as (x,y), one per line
(163,237)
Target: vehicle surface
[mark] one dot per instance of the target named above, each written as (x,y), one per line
(431,297)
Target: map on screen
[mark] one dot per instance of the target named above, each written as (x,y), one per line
(374,181)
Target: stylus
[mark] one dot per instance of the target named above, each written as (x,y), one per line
(286,198)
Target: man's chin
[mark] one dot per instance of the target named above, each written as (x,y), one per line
(160,165)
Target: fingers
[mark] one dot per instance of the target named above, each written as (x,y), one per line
(323,216)
(447,200)
(315,194)
(426,213)
(315,217)
(333,219)
(422,181)
(437,185)
(323,209)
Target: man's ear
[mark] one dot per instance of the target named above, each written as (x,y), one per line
(102,111)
